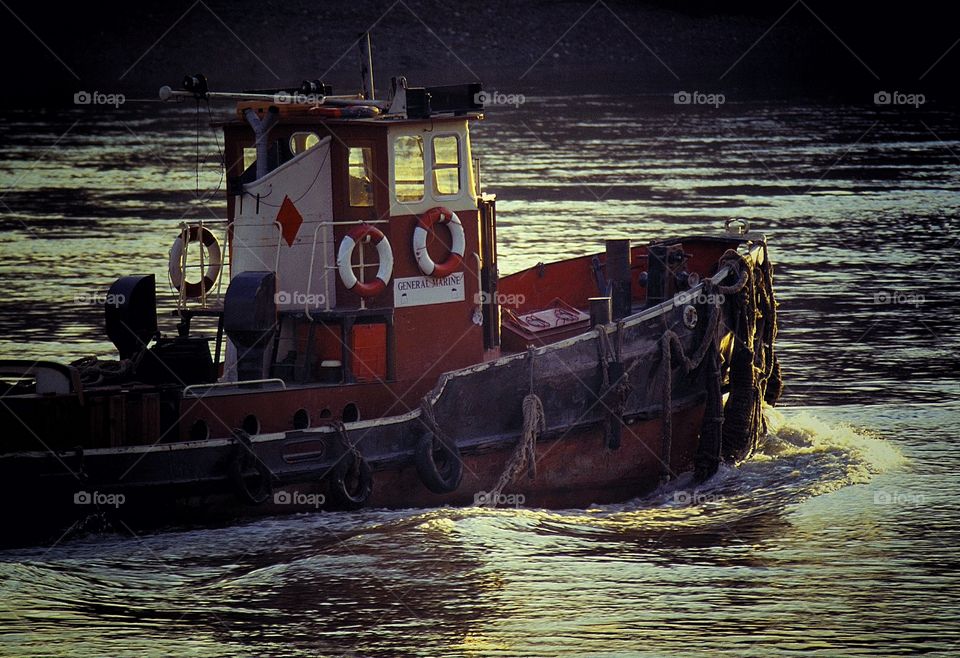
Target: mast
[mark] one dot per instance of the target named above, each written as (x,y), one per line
(366,67)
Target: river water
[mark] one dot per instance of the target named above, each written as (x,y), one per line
(840,538)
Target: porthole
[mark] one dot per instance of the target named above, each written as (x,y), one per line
(301,419)
(199,431)
(351,413)
(250,425)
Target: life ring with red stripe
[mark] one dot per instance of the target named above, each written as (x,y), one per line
(425,224)
(365,233)
(176,267)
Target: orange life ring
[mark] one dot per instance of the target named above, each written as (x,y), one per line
(345,266)
(425,224)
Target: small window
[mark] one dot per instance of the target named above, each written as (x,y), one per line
(446,165)
(408,168)
(360,166)
(300,142)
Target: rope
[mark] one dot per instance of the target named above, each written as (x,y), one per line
(666,402)
(753,361)
(525,454)
(669,343)
(344,437)
(708,455)
(348,446)
(603,347)
(773,380)
(94,372)
(429,419)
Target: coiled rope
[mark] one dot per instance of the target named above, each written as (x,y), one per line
(94,372)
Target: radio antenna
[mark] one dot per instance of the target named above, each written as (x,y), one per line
(366,67)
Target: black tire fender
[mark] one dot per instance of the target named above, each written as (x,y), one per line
(439,464)
(351,483)
(251,489)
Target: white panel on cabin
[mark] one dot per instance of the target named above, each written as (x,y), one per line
(259,246)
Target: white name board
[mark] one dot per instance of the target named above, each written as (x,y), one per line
(423,290)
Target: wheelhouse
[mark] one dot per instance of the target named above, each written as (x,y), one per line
(324,211)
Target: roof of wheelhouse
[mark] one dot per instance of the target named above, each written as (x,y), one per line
(382,120)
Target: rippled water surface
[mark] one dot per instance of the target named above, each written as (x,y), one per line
(840,538)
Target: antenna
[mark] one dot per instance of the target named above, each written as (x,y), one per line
(366,66)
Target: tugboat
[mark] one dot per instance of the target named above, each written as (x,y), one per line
(368,354)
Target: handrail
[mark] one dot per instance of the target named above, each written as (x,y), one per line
(244,382)
(479,296)
(326,284)
(276,259)
(224,263)
(326,263)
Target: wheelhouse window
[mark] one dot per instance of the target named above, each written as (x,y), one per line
(408,177)
(446,165)
(360,168)
(300,142)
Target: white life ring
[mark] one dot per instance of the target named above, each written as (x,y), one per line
(175,268)
(425,224)
(345,266)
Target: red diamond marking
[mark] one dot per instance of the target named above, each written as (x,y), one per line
(290,220)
